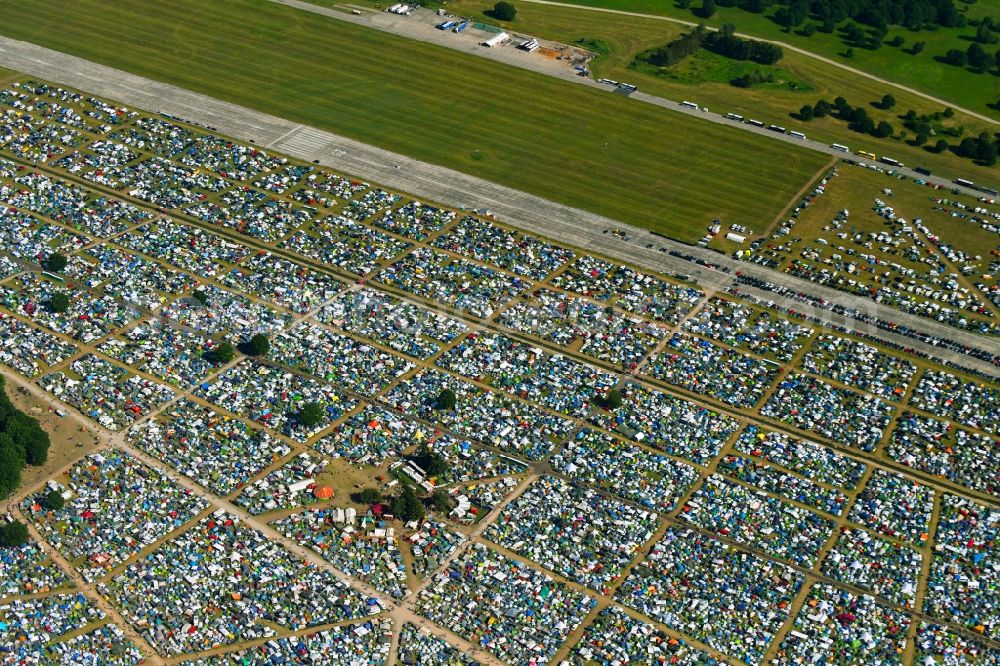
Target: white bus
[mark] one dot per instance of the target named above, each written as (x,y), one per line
(797,135)
(733,116)
(690,105)
(842,148)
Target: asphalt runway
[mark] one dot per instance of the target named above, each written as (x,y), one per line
(454,189)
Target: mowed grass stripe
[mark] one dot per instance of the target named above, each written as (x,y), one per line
(582,147)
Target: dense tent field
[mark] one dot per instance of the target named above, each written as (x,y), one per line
(596,151)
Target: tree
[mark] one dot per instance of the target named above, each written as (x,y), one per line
(224,353)
(996,57)
(708,9)
(446,400)
(917,48)
(504,11)
(806,112)
(862,122)
(200,296)
(367,496)
(940,146)
(821,109)
(54,500)
(13,534)
(311,414)
(809,30)
(58,302)
(888,101)
(978,58)
(920,139)
(12,450)
(984,35)
(407,506)
(956,57)
(36,446)
(440,501)
(613,399)
(883,130)
(896,41)
(854,33)
(54,263)
(10,471)
(948,112)
(849,53)
(429,460)
(259,345)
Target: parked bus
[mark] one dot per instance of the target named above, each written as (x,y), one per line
(797,135)
(990,191)
(924,171)
(776,128)
(755,123)
(890,161)
(842,148)
(733,116)
(964,183)
(870,156)
(690,105)
(628,86)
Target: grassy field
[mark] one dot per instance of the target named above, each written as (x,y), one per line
(705,80)
(583,147)
(921,72)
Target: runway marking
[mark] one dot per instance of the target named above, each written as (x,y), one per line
(304,141)
(283,136)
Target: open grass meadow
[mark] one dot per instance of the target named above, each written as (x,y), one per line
(977,92)
(582,147)
(704,78)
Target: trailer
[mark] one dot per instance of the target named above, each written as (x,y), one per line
(461,26)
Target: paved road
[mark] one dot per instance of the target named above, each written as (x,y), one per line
(420,26)
(783,45)
(451,188)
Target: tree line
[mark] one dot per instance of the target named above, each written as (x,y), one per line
(912,14)
(724,43)
(22,442)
